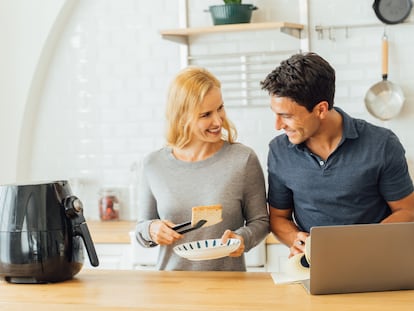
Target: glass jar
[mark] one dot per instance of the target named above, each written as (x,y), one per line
(108,204)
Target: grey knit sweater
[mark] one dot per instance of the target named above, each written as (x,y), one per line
(232,177)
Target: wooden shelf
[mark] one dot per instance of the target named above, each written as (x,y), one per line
(181,35)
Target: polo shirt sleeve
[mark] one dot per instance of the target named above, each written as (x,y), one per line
(279,196)
(395,182)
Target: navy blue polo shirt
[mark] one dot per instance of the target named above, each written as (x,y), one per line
(352,186)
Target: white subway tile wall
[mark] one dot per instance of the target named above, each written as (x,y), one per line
(103,103)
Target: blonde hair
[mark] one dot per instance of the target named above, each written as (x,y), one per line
(186,93)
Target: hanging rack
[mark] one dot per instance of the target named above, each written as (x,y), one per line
(331,29)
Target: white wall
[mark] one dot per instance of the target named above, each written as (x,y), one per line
(25,27)
(101,106)
(356,57)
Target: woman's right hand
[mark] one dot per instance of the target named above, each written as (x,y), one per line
(161,232)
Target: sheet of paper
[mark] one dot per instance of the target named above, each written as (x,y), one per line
(285,278)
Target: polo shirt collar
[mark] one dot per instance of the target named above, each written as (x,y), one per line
(349,129)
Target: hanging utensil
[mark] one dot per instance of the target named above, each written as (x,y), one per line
(384,99)
(392,11)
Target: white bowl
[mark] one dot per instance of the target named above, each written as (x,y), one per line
(206,249)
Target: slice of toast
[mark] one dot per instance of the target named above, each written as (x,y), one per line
(211,213)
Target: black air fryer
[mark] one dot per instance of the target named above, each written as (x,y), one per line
(41,228)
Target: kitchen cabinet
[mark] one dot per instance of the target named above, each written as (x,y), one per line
(112,256)
(142,258)
(277,256)
(112,244)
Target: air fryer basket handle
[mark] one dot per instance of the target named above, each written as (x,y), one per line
(74,211)
(83,231)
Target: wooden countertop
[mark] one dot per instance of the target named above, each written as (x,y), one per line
(118,232)
(184,290)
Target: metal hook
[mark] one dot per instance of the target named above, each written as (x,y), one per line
(331,34)
(320,34)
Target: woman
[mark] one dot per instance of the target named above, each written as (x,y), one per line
(201,165)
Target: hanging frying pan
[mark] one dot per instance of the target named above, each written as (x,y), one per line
(384,99)
(392,11)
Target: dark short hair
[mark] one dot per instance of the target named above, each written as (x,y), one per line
(305,78)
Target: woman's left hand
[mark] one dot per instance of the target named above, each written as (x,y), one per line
(228,234)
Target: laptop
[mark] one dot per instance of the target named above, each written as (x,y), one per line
(361,258)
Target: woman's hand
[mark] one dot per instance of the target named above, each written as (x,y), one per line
(161,232)
(228,234)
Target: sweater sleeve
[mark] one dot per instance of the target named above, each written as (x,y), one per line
(254,204)
(147,211)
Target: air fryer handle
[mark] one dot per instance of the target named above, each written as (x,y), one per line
(74,211)
(87,239)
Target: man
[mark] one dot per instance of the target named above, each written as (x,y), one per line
(328,168)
